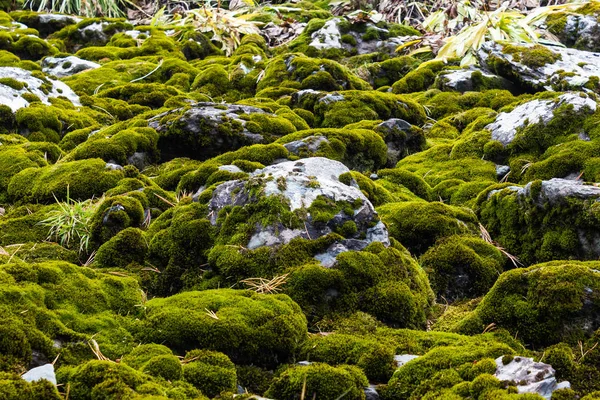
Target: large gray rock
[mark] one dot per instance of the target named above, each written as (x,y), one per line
(204,130)
(299,184)
(581,32)
(573,70)
(556,190)
(401,139)
(330,37)
(463,80)
(12,97)
(504,128)
(66,66)
(529,376)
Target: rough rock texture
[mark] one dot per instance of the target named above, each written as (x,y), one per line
(12,97)
(300,183)
(573,70)
(581,32)
(464,81)
(309,144)
(401,139)
(66,66)
(556,190)
(45,371)
(529,376)
(504,128)
(330,37)
(199,131)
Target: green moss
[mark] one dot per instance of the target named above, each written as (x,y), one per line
(462,267)
(420,79)
(126,247)
(533,57)
(12,83)
(12,387)
(418,225)
(542,302)
(322,381)
(249,327)
(210,371)
(113,215)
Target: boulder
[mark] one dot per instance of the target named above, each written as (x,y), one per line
(18,81)
(581,32)
(529,376)
(66,66)
(504,128)
(401,139)
(299,185)
(204,130)
(545,220)
(474,79)
(556,69)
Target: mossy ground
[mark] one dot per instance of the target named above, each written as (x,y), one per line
(167,289)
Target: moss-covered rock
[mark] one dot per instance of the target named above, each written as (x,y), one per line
(248,327)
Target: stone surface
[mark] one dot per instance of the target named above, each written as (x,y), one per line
(401,139)
(12,97)
(300,183)
(204,123)
(529,376)
(308,145)
(573,70)
(330,37)
(581,32)
(402,359)
(462,80)
(504,128)
(66,66)
(46,371)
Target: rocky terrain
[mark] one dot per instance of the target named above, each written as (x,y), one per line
(308,214)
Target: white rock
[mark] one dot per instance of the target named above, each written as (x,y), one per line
(530,376)
(46,372)
(66,66)
(12,97)
(402,359)
(504,128)
(328,37)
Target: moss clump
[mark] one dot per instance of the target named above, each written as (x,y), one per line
(12,387)
(547,303)
(210,371)
(418,225)
(128,246)
(322,381)
(373,357)
(419,79)
(359,149)
(249,328)
(557,230)
(113,215)
(462,267)
(49,183)
(533,57)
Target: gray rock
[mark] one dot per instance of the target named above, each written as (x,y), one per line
(371,393)
(573,70)
(401,139)
(462,80)
(12,97)
(66,66)
(504,128)
(44,372)
(308,145)
(113,166)
(581,32)
(139,159)
(502,170)
(299,184)
(204,124)
(330,37)
(402,359)
(529,376)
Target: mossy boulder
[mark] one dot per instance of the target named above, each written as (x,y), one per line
(418,225)
(547,303)
(247,326)
(210,371)
(321,381)
(50,183)
(461,267)
(560,217)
